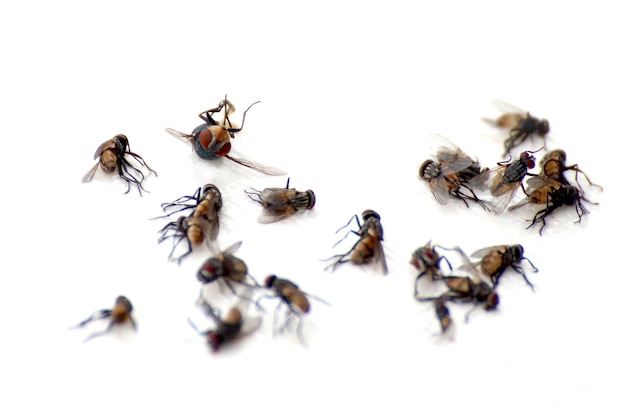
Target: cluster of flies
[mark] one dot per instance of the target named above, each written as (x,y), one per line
(195,221)
(453,174)
(475,282)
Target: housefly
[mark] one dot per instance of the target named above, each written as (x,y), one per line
(553,166)
(495,260)
(207,200)
(211,140)
(227,267)
(295,300)
(449,175)
(443,315)
(280,203)
(504,181)
(228,328)
(368,247)
(465,289)
(521,125)
(552,194)
(111,155)
(119,314)
(193,229)
(426,260)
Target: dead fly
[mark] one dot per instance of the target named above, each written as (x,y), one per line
(280,203)
(120,314)
(206,203)
(193,230)
(552,194)
(211,140)
(496,259)
(426,260)
(207,200)
(465,289)
(229,328)
(111,155)
(227,267)
(450,174)
(295,300)
(553,167)
(368,247)
(504,181)
(521,125)
(443,315)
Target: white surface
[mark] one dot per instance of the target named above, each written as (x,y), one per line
(349,95)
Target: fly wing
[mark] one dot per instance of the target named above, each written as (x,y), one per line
(470,266)
(89,175)
(233,248)
(501,193)
(180,135)
(103,146)
(250,325)
(451,157)
(272,216)
(379,256)
(439,188)
(512,115)
(267,170)
(505,107)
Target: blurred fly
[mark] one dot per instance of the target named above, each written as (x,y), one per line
(465,289)
(426,259)
(495,260)
(368,247)
(293,298)
(111,155)
(227,267)
(443,315)
(119,314)
(521,125)
(450,174)
(211,140)
(228,328)
(280,203)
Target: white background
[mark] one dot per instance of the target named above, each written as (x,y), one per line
(349,94)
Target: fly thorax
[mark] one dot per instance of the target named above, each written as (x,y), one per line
(108,160)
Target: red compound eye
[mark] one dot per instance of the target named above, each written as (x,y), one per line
(224,149)
(530,163)
(205,138)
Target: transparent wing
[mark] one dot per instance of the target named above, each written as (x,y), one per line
(470,266)
(250,325)
(379,256)
(272,216)
(451,157)
(89,175)
(233,248)
(180,135)
(501,194)
(505,107)
(480,253)
(267,170)
(439,188)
